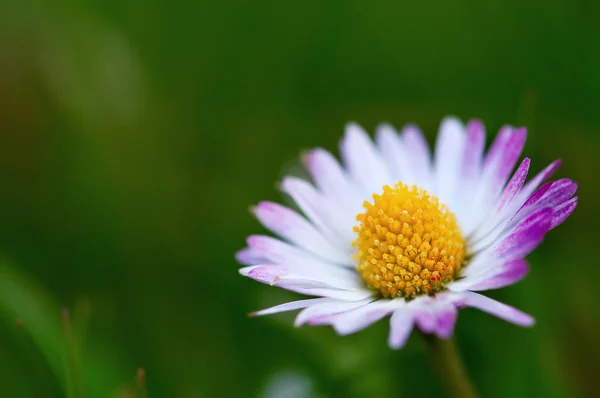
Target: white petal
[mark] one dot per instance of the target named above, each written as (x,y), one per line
(419,157)
(275,251)
(473,152)
(363,161)
(296,229)
(320,314)
(291,306)
(323,213)
(390,145)
(315,288)
(332,180)
(498,309)
(279,275)
(401,324)
(359,318)
(448,159)
(250,256)
(471,171)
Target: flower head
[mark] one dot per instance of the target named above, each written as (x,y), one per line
(393,232)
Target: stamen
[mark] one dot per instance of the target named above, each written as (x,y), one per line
(408,243)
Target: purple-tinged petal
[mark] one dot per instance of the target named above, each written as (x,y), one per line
(515,184)
(558,192)
(425,320)
(496,169)
(291,306)
(401,324)
(322,314)
(509,273)
(363,161)
(436,314)
(446,317)
(503,156)
(491,228)
(359,318)
(563,211)
(249,256)
(542,176)
(296,229)
(525,236)
(553,194)
(498,309)
(538,194)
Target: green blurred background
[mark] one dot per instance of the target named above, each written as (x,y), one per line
(134,135)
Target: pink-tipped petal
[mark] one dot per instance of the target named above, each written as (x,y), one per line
(525,236)
(507,274)
(359,318)
(322,313)
(317,288)
(293,263)
(302,280)
(291,306)
(278,252)
(515,184)
(553,195)
(489,230)
(497,166)
(503,156)
(264,273)
(293,227)
(249,256)
(535,182)
(498,309)
(401,324)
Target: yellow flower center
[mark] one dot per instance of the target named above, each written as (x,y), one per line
(408,243)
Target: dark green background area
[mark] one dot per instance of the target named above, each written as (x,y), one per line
(134,135)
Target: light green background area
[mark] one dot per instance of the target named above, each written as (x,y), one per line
(134,136)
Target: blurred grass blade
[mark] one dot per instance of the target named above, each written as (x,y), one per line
(21,298)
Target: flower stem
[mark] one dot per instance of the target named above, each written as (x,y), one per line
(446,359)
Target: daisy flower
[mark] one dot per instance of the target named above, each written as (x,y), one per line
(395,231)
